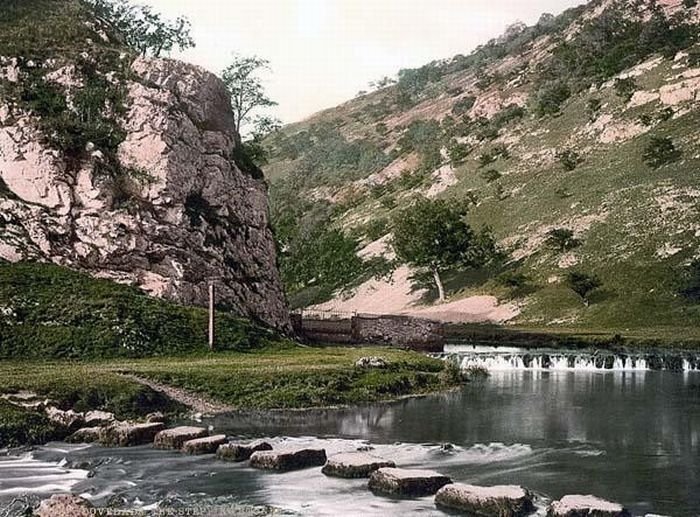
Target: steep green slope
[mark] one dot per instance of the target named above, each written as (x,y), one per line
(560,125)
(47,311)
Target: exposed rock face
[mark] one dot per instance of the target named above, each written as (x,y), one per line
(585,506)
(497,501)
(407,482)
(68,419)
(354,465)
(85,435)
(194,215)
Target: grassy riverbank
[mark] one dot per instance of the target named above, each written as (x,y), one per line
(277,377)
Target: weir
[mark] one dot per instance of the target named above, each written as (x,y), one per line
(502,358)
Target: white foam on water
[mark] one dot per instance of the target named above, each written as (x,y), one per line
(26,475)
(507,361)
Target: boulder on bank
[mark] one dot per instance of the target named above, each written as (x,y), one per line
(156,416)
(175,438)
(85,435)
(354,465)
(407,482)
(499,501)
(239,451)
(64,505)
(126,434)
(371,362)
(98,418)
(288,459)
(585,506)
(207,445)
(68,419)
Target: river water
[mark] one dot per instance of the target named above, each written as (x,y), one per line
(629,436)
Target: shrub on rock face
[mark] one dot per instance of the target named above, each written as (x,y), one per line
(625,88)
(660,151)
(569,159)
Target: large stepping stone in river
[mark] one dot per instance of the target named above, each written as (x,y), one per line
(407,482)
(207,445)
(126,434)
(85,435)
(585,506)
(65,505)
(239,451)
(174,438)
(354,465)
(288,459)
(500,501)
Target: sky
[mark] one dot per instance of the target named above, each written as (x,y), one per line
(322,52)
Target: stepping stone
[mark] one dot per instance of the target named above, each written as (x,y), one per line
(354,465)
(585,506)
(85,435)
(288,459)
(126,434)
(174,438)
(503,501)
(239,451)
(96,418)
(65,505)
(407,482)
(207,445)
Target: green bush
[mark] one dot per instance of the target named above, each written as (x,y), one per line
(491,175)
(569,159)
(562,239)
(550,97)
(660,151)
(625,88)
(22,427)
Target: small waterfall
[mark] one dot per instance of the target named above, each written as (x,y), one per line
(493,359)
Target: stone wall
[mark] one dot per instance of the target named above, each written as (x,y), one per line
(400,331)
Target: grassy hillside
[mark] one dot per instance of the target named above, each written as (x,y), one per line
(48,311)
(585,122)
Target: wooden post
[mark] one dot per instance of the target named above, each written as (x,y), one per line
(211,315)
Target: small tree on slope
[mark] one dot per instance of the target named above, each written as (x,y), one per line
(435,236)
(582,284)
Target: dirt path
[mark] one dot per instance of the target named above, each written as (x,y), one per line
(196,402)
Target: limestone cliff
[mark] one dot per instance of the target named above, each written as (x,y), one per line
(173,210)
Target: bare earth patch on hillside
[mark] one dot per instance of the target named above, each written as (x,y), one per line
(397,296)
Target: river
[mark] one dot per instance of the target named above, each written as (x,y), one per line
(631,436)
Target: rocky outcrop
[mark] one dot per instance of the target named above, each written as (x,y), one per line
(585,506)
(288,459)
(407,482)
(354,465)
(497,501)
(239,451)
(68,419)
(181,212)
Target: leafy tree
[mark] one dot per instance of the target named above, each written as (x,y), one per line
(263,126)
(691,290)
(246,90)
(582,284)
(551,96)
(569,158)
(562,239)
(625,88)
(660,151)
(142,28)
(434,235)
